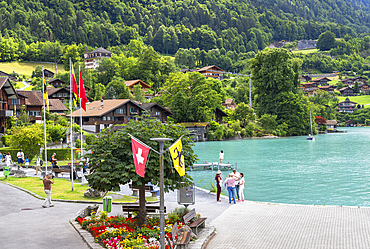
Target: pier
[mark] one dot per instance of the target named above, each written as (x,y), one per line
(213,166)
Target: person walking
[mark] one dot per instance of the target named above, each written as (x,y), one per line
(241,187)
(231,187)
(38,164)
(221,155)
(236,175)
(20,156)
(8,159)
(47,189)
(4,155)
(54,161)
(219,181)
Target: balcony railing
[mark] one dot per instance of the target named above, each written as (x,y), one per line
(5,113)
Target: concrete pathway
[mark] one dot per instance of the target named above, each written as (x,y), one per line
(261,225)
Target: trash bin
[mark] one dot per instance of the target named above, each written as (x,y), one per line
(107,204)
(6,171)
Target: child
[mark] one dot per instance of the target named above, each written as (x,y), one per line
(27,162)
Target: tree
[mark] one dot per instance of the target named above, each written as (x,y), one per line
(326,41)
(356,89)
(276,90)
(28,138)
(24,118)
(56,132)
(119,87)
(268,122)
(112,161)
(138,93)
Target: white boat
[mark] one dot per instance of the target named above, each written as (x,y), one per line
(310,137)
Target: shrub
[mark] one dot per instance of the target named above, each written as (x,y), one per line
(6,140)
(243,133)
(210,136)
(89,138)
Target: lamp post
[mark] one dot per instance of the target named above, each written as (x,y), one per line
(61,141)
(250,91)
(161,186)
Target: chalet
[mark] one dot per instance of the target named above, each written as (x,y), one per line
(348,82)
(360,80)
(350,123)
(219,114)
(11,77)
(58,83)
(157,111)
(7,93)
(306,78)
(310,88)
(364,88)
(93,58)
(346,91)
(33,103)
(212,72)
(48,73)
(331,125)
(199,130)
(347,106)
(105,113)
(328,88)
(323,81)
(229,104)
(59,93)
(144,87)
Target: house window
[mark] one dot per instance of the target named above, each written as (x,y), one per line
(85,119)
(65,94)
(34,113)
(103,118)
(59,94)
(133,110)
(119,111)
(54,95)
(16,101)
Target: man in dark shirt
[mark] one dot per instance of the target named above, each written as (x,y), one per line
(47,189)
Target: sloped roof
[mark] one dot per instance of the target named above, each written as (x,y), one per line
(57,80)
(100,50)
(94,109)
(210,67)
(331,122)
(8,87)
(322,78)
(147,106)
(57,105)
(134,82)
(51,91)
(229,102)
(33,98)
(329,86)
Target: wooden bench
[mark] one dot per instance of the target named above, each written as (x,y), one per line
(184,240)
(200,222)
(74,164)
(135,208)
(58,170)
(148,188)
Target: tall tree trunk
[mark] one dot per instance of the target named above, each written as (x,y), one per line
(142,208)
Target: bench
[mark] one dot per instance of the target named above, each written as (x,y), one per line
(184,240)
(148,188)
(58,170)
(200,222)
(74,164)
(135,208)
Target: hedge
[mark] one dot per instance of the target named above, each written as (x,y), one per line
(6,140)
(61,154)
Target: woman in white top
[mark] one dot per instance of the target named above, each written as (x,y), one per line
(241,187)
(8,159)
(221,156)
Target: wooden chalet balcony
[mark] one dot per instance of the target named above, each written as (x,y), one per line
(6,113)
(11,107)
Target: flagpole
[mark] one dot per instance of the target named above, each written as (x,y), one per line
(46,150)
(71,106)
(79,82)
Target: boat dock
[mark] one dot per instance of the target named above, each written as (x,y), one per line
(213,166)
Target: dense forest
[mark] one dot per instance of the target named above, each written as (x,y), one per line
(235,25)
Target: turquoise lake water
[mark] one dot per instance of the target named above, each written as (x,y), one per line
(332,170)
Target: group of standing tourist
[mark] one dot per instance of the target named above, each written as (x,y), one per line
(234,183)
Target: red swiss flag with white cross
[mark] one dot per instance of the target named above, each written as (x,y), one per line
(140,153)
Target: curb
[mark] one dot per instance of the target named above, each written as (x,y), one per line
(85,235)
(203,237)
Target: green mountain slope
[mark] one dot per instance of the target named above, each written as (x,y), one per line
(169,25)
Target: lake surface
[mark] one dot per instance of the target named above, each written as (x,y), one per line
(332,170)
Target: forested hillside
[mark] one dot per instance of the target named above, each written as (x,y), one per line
(235,25)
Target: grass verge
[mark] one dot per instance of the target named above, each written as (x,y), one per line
(26,68)
(62,189)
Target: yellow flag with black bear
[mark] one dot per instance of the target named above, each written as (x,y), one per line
(177,155)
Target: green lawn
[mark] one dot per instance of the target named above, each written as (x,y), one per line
(29,88)
(62,189)
(362,100)
(19,85)
(26,68)
(305,51)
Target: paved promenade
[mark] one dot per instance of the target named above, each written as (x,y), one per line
(25,224)
(256,225)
